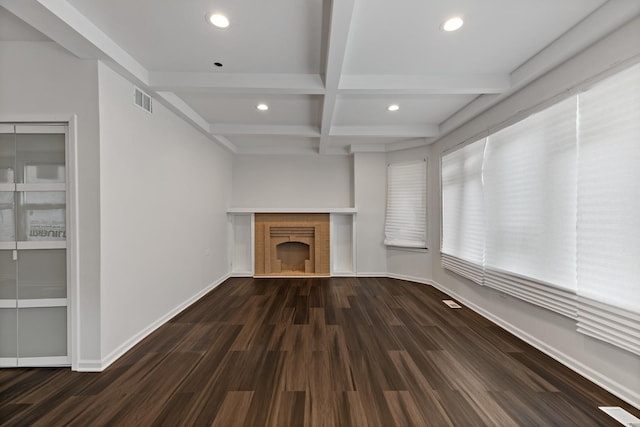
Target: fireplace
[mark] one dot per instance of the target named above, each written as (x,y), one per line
(291,244)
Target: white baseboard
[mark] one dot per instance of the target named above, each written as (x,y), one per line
(343,274)
(126,346)
(89,366)
(371,274)
(241,274)
(333,274)
(409,278)
(630,396)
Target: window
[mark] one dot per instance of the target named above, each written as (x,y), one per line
(550,213)
(530,197)
(608,249)
(406,219)
(463,211)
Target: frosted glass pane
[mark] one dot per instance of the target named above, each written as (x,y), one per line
(42,216)
(8,332)
(42,274)
(43,332)
(7,159)
(7,275)
(7,217)
(40,158)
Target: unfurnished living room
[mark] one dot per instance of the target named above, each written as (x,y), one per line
(320,213)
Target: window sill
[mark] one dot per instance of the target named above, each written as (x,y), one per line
(407,249)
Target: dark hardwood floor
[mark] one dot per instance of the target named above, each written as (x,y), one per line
(315,352)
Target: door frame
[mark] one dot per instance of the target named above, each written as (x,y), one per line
(72,215)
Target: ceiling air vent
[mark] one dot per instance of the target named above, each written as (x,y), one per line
(142,100)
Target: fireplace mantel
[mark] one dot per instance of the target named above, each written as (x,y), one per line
(292,210)
(242,233)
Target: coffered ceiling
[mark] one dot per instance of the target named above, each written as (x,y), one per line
(328,70)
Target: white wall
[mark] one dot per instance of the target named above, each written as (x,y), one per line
(370,180)
(165,189)
(302,181)
(38,81)
(615,369)
(413,264)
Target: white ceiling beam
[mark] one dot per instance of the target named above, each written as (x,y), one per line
(411,131)
(328,109)
(225,142)
(325,141)
(425,84)
(367,148)
(409,143)
(310,84)
(250,129)
(608,17)
(41,18)
(277,150)
(341,13)
(62,23)
(186,112)
(184,108)
(338,34)
(604,20)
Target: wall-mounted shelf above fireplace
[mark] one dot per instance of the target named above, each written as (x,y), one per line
(292,210)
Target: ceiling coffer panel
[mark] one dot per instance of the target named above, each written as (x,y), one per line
(327,71)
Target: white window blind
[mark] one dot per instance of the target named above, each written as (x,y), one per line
(609,209)
(406,215)
(561,210)
(463,211)
(530,198)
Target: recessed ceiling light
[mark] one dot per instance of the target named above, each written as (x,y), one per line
(262,107)
(393,107)
(218,20)
(452,24)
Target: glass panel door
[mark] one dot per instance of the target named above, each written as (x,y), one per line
(7,154)
(41,216)
(8,283)
(40,224)
(8,337)
(42,274)
(8,311)
(40,155)
(7,220)
(42,336)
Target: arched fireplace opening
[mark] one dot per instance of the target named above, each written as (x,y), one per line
(294,257)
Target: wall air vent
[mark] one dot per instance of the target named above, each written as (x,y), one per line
(142,100)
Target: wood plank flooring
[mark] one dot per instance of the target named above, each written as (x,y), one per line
(315,352)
